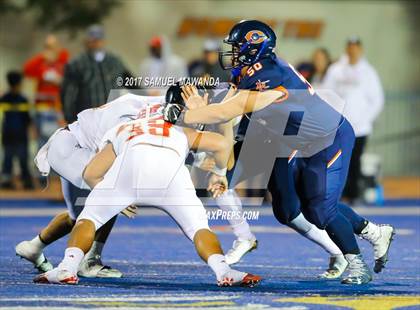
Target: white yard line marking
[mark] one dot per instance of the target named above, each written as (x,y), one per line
(260,229)
(263,211)
(163,297)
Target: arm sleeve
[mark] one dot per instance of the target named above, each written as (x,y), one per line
(69,93)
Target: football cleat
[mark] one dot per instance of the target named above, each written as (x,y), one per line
(337,266)
(239,249)
(92,267)
(359,272)
(56,276)
(238,278)
(32,254)
(380,236)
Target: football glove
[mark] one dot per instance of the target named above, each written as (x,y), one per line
(172,113)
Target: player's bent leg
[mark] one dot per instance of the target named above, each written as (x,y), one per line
(91,266)
(286,209)
(380,236)
(102,204)
(324,175)
(245,240)
(60,226)
(182,204)
(79,243)
(31,250)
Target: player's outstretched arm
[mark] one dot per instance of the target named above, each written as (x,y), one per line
(245,101)
(226,130)
(99,165)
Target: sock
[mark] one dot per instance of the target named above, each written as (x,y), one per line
(321,238)
(350,257)
(341,232)
(37,242)
(72,258)
(217,263)
(230,202)
(357,222)
(242,231)
(301,225)
(95,250)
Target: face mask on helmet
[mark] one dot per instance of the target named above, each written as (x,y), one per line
(228,57)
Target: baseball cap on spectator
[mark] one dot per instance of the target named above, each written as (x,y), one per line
(95,32)
(354,40)
(155,42)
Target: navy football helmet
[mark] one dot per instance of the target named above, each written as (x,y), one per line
(250,41)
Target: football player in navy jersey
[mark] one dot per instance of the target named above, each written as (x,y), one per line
(286,114)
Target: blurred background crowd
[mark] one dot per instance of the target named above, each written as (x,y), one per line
(58,58)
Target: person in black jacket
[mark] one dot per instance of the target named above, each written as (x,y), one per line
(15,131)
(90,77)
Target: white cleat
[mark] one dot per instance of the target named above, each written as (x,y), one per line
(239,249)
(93,268)
(238,278)
(32,254)
(56,276)
(380,236)
(338,264)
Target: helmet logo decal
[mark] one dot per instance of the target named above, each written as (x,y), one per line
(255,36)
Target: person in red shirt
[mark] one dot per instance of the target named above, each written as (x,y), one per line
(47,69)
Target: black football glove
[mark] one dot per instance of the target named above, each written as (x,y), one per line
(172,113)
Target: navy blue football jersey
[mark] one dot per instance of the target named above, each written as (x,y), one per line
(300,117)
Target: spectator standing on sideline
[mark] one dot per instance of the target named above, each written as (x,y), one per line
(15,131)
(46,68)
(356,81)
(208,65)
(162,63)
(321,60)
(89,78)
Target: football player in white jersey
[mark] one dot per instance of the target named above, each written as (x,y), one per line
(68,151)
(143,164)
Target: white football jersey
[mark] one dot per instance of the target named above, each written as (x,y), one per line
(92,124)
(148,128)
